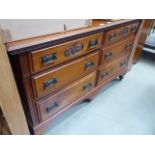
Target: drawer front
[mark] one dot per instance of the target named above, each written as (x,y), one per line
(56,79)
(112,69)
(120,33)
(55,55)
(134,28)
(53,104)
(116,51)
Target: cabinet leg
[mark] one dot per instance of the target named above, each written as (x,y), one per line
(121,77)
(88,100)
(91,96)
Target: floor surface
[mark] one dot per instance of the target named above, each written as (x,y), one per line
(120,108)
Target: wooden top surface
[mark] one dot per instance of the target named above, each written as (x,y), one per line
(24,45)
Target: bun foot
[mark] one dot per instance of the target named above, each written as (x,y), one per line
(121,77)
(88,100)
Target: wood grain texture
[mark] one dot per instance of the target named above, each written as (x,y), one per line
(145,30)
(26,45)
(105,72)
(130,63)
(43,87)
(21,70)
(144,33)
(117,50)
(9,98)
(40,128)
(64,75)
(57,102)
(58,54)
(4,128)
(120,33)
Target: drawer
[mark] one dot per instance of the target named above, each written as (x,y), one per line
(134,27)
(53,80)
(116,51)
(110,70)
(55,55)
(55,103)
(114,35)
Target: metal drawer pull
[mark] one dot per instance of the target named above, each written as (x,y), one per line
(93,43)
(108,55)
(73,50)
(124,63)
(49,59)
(51,107)
(128,46)
(124,32)
(89,65)
(134,29)
(87,86)
(50,83)
(103,75)
(112,36)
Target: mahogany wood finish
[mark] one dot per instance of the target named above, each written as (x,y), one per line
(63,98)
(42,126)
(55,55)
(109,70)
(137,37)
(120,33)
(55,72)
(116,51)
(144,33)
(40,42)
(56,79)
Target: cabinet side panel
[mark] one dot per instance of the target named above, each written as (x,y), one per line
(22,76)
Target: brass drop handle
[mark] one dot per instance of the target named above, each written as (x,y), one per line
(103,75)
(123,63)
(112,36)
(108,55)
(87,86)
(128,46)
(73,50)
(89,65)
(134,29)
(50,83)
(93,43)
(51,107)
(124,32)
(49,59)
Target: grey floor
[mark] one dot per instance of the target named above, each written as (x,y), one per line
(120,108)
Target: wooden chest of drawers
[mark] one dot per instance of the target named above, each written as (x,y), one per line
(116,51)
(53,80)
(63,98)
(116,67)
(54,75)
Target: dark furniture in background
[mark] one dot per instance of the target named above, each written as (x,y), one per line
(146,42)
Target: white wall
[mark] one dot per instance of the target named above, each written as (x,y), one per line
(16,29)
